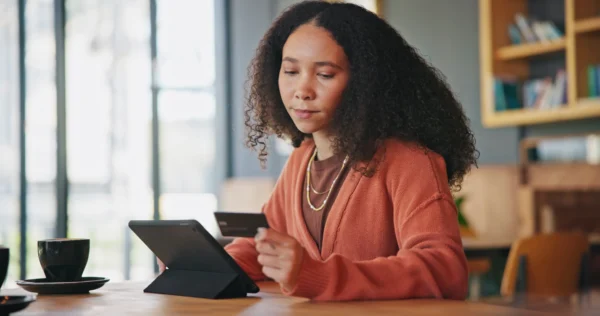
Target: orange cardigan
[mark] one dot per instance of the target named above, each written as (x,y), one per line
(394,235)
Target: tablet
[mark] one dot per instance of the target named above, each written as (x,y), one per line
(186,245)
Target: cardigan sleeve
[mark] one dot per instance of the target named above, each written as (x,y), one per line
(243,250)
(430,263)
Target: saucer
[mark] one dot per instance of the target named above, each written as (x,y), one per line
(14,303)
(83,286)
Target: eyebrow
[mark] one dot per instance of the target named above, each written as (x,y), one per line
(318,63)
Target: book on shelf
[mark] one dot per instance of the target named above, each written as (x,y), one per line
(593,76)
(571,149)
(506,94)
(528,30)
(541,93)
(544,93)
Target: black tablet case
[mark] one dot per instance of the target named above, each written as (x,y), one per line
(197,265)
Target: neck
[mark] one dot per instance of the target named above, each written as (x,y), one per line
(323,143)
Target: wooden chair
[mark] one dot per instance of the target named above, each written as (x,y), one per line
(553,264)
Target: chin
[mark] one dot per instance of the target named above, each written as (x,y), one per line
(306,128)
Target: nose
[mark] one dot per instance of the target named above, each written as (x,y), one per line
(304,90)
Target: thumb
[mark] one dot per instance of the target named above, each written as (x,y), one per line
(273,236)
(161,265)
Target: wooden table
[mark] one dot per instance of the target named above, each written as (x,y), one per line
(127,298)
(576,304)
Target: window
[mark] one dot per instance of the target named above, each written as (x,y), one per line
(109,125)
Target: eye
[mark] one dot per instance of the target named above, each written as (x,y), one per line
(290,72)
(326,76)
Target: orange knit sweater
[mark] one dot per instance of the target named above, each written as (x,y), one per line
(394,235)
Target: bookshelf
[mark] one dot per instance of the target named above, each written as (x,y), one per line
(529,50)
(577,47)
(588,25)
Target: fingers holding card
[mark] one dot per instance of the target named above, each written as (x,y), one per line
(280,255)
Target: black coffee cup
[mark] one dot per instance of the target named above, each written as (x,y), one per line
(4,257)
(63,259)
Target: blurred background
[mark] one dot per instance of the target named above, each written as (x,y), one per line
(112,110)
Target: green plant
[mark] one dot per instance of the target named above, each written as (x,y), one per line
(462,220)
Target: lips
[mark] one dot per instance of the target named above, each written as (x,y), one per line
(304,114)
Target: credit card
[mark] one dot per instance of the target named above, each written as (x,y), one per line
(234,224)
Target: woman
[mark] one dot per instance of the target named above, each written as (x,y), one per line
(363,208)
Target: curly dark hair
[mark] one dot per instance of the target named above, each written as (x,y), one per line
(392,91)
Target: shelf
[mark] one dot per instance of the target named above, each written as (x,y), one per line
(529,50)
(585,109)
(588,25)
(573,52)
(589,102)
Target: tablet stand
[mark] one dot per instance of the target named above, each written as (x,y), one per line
(202,284)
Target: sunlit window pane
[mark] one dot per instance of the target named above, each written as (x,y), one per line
(187,142)
(9,136)
(108,132)
(40,130)
(186,43)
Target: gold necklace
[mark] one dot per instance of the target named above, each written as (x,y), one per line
(308,185)
(317,192)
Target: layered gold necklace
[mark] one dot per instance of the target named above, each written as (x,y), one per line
(309,186)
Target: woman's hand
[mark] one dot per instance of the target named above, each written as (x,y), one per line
(161,266)
(280,255)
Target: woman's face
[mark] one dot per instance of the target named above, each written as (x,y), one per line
(314,73)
